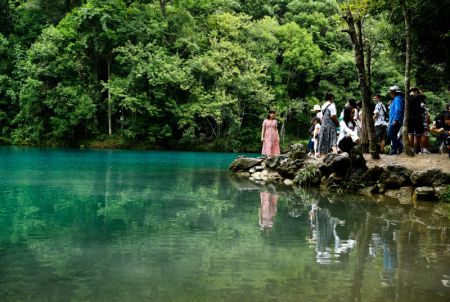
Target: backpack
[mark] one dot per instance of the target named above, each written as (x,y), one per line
(386,117)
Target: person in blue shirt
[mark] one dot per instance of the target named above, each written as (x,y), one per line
(396,111)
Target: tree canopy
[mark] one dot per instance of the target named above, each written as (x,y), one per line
(198,74)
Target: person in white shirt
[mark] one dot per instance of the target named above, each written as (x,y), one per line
(316,133)
(380,118)
(348,137)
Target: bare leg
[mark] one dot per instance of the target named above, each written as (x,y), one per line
(382,144)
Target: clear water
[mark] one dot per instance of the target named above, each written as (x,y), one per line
(83,225)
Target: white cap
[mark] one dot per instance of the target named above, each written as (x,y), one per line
(316,108)
(395,88)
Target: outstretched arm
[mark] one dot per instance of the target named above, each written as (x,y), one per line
(263,132)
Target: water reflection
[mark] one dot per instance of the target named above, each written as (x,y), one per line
(389,255)
(110,228)
(328,245)
(267,209)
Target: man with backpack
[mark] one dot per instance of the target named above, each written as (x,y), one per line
(381,119)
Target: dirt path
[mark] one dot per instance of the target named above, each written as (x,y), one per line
(416,163)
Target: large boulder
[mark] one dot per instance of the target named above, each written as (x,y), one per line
(358,162)
(244,163)
(338,163)
(275,161)
(394,177)
(372,175)
(297,151)
(290,167)
(432,177)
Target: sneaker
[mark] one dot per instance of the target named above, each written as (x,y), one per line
(425,151)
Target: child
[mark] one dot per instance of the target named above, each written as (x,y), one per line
(315,138)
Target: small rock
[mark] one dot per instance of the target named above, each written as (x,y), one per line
(288,182)
(257,176)
(260,167)
(252,170)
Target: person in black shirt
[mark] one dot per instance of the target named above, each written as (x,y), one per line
(415,122)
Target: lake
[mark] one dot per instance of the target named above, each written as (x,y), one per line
(102,225)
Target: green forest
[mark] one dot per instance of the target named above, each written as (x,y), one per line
(201,74)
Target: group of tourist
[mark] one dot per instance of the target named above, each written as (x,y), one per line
(332,134)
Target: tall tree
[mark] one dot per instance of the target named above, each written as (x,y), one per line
(407,147)
(355,30)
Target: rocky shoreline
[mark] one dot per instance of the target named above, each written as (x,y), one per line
(345,172)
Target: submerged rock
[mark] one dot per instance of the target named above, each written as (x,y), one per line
(404,194)
(424,194)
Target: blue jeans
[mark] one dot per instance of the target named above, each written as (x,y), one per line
(311,146)
(393,136)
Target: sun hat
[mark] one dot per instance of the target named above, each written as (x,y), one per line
(316,108)
(395,88)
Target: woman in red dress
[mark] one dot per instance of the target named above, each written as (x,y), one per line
(269,136)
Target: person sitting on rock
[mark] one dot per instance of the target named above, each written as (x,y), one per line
(348,136)
(438,126)
(443,131)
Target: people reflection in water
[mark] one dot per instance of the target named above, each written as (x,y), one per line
(389,255)
(324,233)
(267,209)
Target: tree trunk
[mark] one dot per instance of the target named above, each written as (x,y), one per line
(162,5)
(369,65)
(109,96)
(355,32)
(408,148)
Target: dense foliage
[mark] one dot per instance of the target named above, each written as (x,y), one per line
(196,74)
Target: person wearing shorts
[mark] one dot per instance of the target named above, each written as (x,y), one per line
(380,118)
(416,127)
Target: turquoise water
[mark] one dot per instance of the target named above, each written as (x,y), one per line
(84,225)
